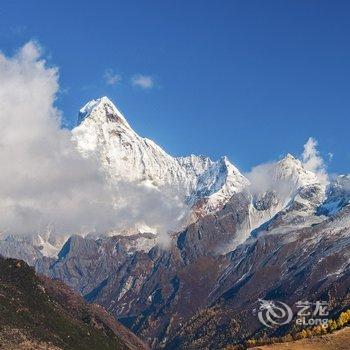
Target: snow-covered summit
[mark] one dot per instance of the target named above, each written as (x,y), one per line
(284,178)
(99,108)
(292,169)
(103,131)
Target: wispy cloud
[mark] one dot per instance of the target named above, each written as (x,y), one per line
(111,78)
(143,81)
(313,161)
(266,176)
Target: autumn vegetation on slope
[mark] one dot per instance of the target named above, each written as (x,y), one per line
(40,313)
(329,328)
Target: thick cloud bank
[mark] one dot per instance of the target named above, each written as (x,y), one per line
(43,179)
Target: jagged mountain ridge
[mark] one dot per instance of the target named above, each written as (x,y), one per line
(103,131)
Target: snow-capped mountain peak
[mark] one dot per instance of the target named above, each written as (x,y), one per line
(291,169)
(103,131)
(101,110)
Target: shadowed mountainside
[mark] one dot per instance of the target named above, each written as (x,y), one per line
(38,313)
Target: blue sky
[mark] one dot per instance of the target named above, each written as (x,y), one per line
(249,79)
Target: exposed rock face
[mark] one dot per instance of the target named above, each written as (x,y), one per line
(20,248)
(194,294)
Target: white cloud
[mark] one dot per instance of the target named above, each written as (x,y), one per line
(143,81)
(43,179)
(265,177)
(313,161)
(112,78)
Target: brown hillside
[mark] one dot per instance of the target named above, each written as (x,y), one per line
(339,340)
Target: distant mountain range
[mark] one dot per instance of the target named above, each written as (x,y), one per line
(282,233)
